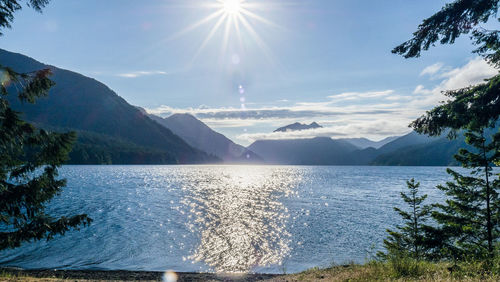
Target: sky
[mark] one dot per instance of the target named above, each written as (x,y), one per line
(248,68)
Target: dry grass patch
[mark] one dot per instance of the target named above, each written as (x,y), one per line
(390,271)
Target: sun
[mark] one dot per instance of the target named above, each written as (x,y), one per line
(236,20)
(232,7)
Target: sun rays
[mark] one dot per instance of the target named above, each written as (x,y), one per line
(235,21)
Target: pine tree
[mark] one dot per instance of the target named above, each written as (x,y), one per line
(469,219)
(29,157)
(409,240)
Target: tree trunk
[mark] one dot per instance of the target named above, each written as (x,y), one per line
(489,225)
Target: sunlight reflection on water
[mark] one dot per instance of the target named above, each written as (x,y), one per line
(268,219)
(239,217)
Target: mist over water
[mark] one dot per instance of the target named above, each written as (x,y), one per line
(270,219)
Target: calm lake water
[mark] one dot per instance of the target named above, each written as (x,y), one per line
(224,218)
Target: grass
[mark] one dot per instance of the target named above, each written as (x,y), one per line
(395,270)
(8,277)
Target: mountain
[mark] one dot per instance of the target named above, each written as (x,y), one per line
(95,148)
(298,126)
(105,121)
(390,152)
(315,151)
(410,139)
(364,143)
(410,149)
(435,151)
(202,137)
(439,152)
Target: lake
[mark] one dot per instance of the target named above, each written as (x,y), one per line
(270,219)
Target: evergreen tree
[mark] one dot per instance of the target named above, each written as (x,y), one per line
(469,219)
(409,240)
(29,157)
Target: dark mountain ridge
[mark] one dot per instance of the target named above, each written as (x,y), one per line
(111,131)
(408,150)
(315,151)
(298,126)
(202,137)
(84,104)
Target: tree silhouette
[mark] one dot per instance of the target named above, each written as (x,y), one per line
(409,239)
(469,219)
(30,157)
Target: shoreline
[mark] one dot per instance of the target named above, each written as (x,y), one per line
(396,270)
(127,275)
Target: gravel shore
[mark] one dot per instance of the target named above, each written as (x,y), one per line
(121,275)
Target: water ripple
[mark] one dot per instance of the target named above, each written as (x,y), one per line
(240,216)
(267,219)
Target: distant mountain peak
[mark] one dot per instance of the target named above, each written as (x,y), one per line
(186,117)
(183,115)
(364,143)
(202,137)
(298,126)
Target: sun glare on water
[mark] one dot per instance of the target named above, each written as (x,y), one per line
(240,217)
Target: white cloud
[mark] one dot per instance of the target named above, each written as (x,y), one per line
(355,128)
(420,89)
(474,72)
(298,111)
(371,114)
(361,95)
(382,117)
(432,69)
(141,73)
(311,133)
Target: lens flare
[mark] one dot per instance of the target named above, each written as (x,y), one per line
(170,276)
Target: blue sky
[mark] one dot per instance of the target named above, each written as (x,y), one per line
(320,60)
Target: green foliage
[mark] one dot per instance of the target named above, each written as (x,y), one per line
(402,269)
(409,240)
(94,148)
(30,157)
(406,267)
(455,19)
(469,220)
(28,167)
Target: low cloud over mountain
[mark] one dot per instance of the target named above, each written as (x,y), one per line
(373,114)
